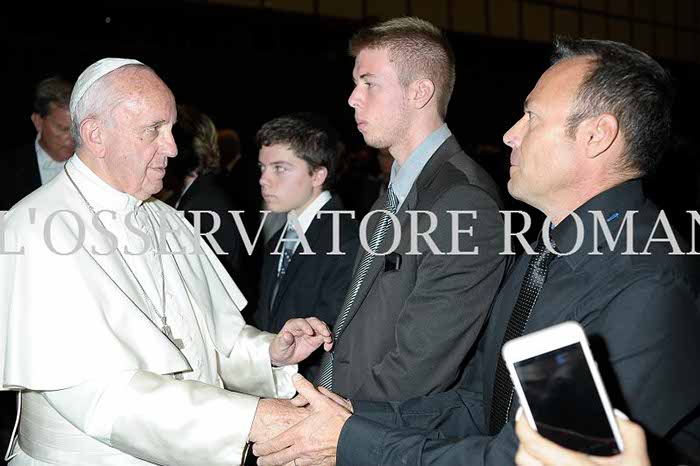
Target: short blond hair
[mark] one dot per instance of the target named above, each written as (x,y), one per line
(418,50)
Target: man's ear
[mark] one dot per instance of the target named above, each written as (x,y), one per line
(37,121)
(92,136)
(422,92)
(600,133)
(319,177)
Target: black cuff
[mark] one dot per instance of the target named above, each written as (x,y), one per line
(360,442)
(377,411)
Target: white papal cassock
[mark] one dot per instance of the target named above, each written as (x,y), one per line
(79,340)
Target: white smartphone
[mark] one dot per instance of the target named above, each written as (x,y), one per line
(560,389)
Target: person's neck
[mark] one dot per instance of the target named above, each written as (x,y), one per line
(97,166)
(581,194)
(300,210)
(416,134)
(46,150)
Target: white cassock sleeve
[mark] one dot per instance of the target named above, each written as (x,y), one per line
(248,368)
(159,419)
(166,421)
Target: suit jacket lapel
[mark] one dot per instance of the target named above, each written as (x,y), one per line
(313,236)
(28,169)
(377,261)
(191,192)
(269,271)
(441,155)
(444,153)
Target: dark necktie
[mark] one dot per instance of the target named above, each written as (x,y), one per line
(291,240)
(535,277)
(325,374)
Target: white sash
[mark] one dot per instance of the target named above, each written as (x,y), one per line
(46,436)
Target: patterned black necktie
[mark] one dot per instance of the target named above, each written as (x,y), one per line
(325,374)
(535,277)
(291,241)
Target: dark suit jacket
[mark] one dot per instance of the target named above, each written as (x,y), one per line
(417,315)
(642,317)
(314,285)
(207,193)
(19,174)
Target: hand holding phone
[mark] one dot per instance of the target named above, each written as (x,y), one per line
(534,449)
(561,391)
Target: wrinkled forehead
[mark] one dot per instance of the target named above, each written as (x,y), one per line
(142,87)
(138,80)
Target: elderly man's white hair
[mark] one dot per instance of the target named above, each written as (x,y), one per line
(86,99)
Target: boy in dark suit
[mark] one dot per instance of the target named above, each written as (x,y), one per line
(308,264)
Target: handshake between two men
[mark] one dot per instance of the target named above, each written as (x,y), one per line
(304,430)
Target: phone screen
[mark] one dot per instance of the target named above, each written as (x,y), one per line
(564,401)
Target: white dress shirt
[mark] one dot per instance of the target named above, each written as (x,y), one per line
(48,167)
(304,218)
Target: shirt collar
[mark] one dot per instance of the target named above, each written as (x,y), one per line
(403,177)
(43,157)
(308,215)
(98,193)
(613,204)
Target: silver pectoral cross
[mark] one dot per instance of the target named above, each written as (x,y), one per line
(169,333)
(177,342)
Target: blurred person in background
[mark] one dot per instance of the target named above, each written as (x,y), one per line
(29,166)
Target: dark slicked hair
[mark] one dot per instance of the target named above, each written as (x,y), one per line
(309,136)
(53,90)
(630,85)
(417,49)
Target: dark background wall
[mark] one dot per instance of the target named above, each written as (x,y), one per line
(243,66)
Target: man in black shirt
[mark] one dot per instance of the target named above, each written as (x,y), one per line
(596,122)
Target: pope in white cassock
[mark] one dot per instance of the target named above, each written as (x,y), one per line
(123,337)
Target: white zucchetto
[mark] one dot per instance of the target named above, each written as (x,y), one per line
(93,73)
